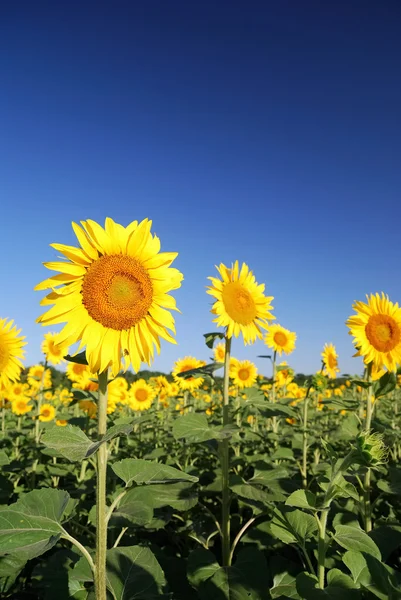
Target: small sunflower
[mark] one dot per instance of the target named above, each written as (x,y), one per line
(47,413)
(187,364)
(113,294)
(330,362)
(18,390)
(89,407)
(244,374)
(240,304)
(75,371)
(376,329)
(53,352)
(21,406)
(11,351)
(219,352)
(61,422)
(141,395)
(280,339)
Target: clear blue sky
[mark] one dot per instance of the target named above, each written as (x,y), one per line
(268,132)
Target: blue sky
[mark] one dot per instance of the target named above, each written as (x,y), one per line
(267,132)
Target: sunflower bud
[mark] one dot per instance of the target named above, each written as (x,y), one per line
(371,449)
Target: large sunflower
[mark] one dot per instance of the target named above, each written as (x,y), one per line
(141,395)
(243,373)
(330,362)
(112,293)
(280,339)
(11,344)
(376,329)
(240,305)
(53,351)
(187,364)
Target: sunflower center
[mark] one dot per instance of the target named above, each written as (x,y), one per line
(243,374)
(280,338)
(141,395)
(21,405)
(239,304)
(331,361)
(383,332)
(117,291)
(45,412)
(4,356)
(78,369)
(53,349)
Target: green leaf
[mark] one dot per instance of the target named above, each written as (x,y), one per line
(80,358)
(194,428)
(133,573)
(211,337)
(352,538)
(302,499)
(205,371)
(356,563)
(284,586)
(146,472)
(385,385)
(337,578)
(4,460)
(283,453)
(247,579)
(291,525)
(181,496)
(136,513)
(202,565)
(387,538)
(73,444)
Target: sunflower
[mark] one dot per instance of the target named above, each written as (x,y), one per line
(244,373)
(21,406)
(280,339)
(112,293)
(75,371)
(240,304)
(173,389)
(11,351)
(89,407)
(86,382)
(141,395)
(376,329)
(53,352)
(37,375)
(330,362)
(160,383)
(47,413)
(219,352)
(17,391)
(61,422)
(187,364)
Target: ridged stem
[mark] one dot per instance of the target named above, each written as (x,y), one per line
(101,521)
(225,464)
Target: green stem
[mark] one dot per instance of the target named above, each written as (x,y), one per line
(366,485)
(225,458)
(321,548)
(101,524)
(305,444)
(81,548)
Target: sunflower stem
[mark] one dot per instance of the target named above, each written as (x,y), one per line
(366,485)
(305,443)
(101,521)
(225,465)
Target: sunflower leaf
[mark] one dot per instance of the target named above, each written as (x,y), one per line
(385,385)
(146,472)
(80,358)
(211,337)
(134,567)
(74,445)
(194,428)
(206,370)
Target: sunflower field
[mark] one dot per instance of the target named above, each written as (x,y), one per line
(211,482)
